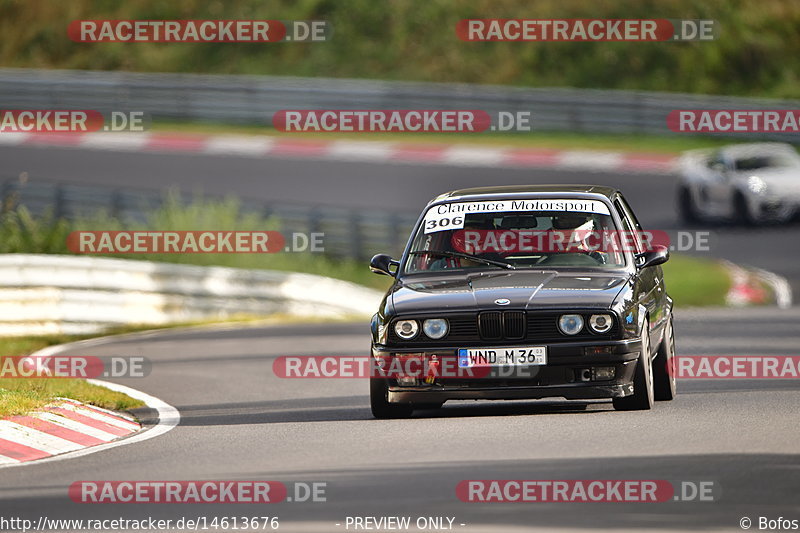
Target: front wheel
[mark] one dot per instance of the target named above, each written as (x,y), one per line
(686,207)
(642,397)
(379,401)
(741,211)
(664,387)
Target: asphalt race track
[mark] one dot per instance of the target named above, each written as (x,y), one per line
(241,422)
(399,187)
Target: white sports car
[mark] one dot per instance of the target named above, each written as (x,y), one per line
(746,183)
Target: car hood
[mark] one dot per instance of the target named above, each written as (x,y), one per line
(524,290)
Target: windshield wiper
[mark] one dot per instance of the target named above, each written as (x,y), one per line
(445,253)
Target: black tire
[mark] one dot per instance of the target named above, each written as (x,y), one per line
(642,397)
(741,211)
(379,403)
(664,387)
(686,208)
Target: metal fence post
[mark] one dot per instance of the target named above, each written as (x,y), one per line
(5,196)
(117,204)
(356,238)
(59,203)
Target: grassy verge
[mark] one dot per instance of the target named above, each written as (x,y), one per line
(657,144)
(19,396)
(693,281)
(754,54)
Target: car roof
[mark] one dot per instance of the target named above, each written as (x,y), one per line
(528,191)
(754,149)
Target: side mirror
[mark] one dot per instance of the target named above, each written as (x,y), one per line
(657,256)
(382,264)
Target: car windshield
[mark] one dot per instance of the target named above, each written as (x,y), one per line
(451,237)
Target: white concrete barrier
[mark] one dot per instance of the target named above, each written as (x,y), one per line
(41,294)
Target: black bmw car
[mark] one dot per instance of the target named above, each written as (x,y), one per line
(523,292)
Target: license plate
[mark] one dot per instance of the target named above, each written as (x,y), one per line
(502,356)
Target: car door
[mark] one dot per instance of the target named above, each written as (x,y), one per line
(718,187)
(649,285)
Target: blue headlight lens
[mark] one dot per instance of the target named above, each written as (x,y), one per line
(435,328)
(570,324)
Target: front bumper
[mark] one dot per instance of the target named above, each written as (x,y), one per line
(777,209)
(567,374)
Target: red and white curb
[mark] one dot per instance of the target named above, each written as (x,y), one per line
(46,437)
(747,287)
(62,426)
(468,155)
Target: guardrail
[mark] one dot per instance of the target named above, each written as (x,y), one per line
(45,294)
(254,99)
(347,233)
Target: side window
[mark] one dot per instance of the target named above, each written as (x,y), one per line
(629,212)
(630,224)
(719,161)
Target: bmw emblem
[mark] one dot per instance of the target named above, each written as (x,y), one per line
(502,301)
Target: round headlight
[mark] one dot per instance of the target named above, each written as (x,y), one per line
(570,324)
(435,328)
(600,323)
(406,329)
(756,185)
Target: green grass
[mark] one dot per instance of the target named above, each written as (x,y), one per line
(693,281)
(23,395)
(19,395)
(755,54)
(657,144)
